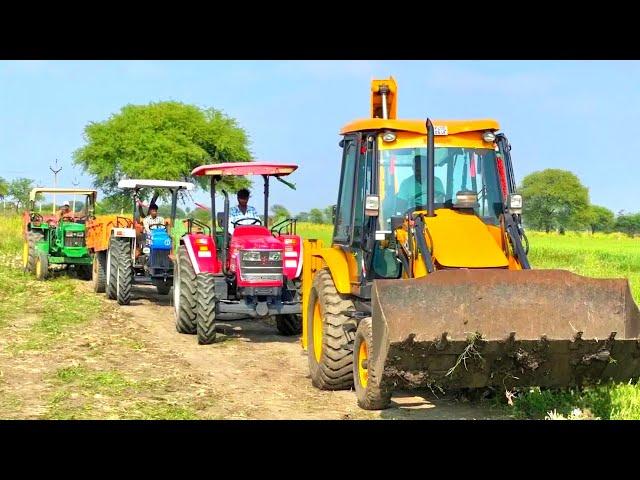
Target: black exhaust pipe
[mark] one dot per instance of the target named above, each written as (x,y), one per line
(431,169)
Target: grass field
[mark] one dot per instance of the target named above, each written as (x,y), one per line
(62,307)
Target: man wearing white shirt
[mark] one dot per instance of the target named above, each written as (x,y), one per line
(242,211)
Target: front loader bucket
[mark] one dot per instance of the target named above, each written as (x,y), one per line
(489,327)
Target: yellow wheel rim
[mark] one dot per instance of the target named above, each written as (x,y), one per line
(38,268)
(25,254)
(317,332)
(363,372)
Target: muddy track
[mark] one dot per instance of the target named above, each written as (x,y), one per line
(257,373)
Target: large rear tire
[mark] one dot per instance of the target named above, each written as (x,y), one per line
(206,309)
(42,266)
(329,345)
(124,271)
(29,252)
(112,271)
(99,274)
(184,293)
(365,378)
(289,325)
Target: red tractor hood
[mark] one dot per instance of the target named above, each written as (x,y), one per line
(254,237)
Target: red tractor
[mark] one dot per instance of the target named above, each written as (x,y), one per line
(254,272)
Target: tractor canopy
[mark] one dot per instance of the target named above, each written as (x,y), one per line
(246,168)
(148,183)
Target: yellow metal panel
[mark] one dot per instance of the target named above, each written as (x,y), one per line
(414,140)
(419,126)
(462,240)
(336,260)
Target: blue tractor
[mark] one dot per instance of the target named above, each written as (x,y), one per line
(136,256)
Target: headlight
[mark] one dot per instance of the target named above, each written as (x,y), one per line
(250,256)
(389,136)
(79,234)
(275,256)
(68,234)
(488,136)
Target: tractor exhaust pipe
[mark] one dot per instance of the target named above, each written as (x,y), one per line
(431,169)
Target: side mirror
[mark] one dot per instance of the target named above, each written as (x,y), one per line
(220,219)
(334,209)
(372,206)
(514,203)
(341,143)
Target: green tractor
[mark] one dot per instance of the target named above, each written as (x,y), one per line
(54,239)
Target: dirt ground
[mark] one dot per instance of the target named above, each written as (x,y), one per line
(130,362)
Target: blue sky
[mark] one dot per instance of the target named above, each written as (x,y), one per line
(582,116)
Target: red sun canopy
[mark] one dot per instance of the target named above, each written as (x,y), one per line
(245,168)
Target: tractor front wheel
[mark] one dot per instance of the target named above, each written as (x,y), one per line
(42,266)
(365,378)
(206,309)
(85,272)
(99,273)
(112,272)
(184,293)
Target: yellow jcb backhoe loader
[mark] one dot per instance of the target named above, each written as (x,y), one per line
(427,283)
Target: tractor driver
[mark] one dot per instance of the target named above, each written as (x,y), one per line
(243,210)
(412,193)
(65,212)
(152,219)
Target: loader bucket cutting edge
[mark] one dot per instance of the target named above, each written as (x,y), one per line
(490,327)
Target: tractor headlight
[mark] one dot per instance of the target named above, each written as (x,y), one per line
(275,256)
(249,256)
(389,136)
(68,234)
(79,234)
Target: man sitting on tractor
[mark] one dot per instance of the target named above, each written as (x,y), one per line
(152,219)
(242,211)
(65,212)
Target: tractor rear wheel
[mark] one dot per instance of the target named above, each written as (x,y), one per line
(184,293)
(99,273)
(112,272)
(124,271)
(42,266)
(365,378)
(29,252)
(329,343)
(206,309)
(289,324)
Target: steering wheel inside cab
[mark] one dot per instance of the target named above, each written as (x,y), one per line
(156,226)
(254,221)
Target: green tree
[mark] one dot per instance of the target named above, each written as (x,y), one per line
(4,188)
(553,199)
(628,223)
(302,217)
(600,219)
(115,204)
(19,190)
(163,140)
(316,216)
(164,210)
(279,213)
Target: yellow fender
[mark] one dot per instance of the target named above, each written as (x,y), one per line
(316,257)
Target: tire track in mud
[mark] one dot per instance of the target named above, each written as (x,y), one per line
(257,373)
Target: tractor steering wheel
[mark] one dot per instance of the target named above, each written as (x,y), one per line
(254,221)
(36,217)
